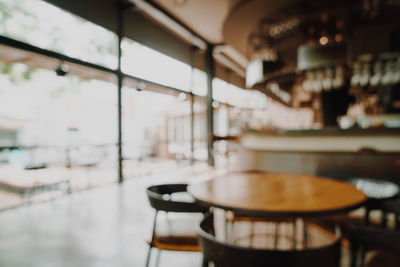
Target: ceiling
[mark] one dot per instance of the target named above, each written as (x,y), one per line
(231,23)
(205,17)
(224,21)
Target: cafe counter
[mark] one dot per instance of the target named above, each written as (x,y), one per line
(334,153)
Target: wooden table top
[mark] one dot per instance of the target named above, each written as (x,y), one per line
(278,194)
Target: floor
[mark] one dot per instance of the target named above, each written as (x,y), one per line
(101,227)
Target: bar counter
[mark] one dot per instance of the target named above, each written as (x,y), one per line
(331,152)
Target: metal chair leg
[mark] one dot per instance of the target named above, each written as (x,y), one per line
(148,257)
(152,238)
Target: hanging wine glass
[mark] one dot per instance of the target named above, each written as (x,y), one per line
(355,79)
(307,84)
(365,74)
(317,82)
(388,76)
(338,81)
(396,78)
(328,79)
(377,76)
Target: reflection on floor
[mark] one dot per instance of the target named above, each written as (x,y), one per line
(106,226)
(19,186)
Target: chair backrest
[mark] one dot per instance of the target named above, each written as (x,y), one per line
(160,199)
(229,255)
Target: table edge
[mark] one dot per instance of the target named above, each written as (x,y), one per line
(286,214)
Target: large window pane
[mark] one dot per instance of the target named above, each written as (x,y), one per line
(46,26)
(220,90)
(156,131)
(238,97)
(199,82)
(57,134)
(143,62)
(200,129)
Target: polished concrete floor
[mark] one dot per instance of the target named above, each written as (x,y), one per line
(101,227)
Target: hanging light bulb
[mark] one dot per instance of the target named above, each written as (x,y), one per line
(323,40)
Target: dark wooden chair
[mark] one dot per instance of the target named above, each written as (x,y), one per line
(229,255)
(383,242)
(176,234)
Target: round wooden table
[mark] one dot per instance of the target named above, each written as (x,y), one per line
(278,194)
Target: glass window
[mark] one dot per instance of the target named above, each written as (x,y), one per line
(156,131)
(238,97)
(220,90)
(199,82)
(200,129)
(46,26)
(146,63)
(56,131)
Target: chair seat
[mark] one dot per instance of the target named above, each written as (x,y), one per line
(177,234)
